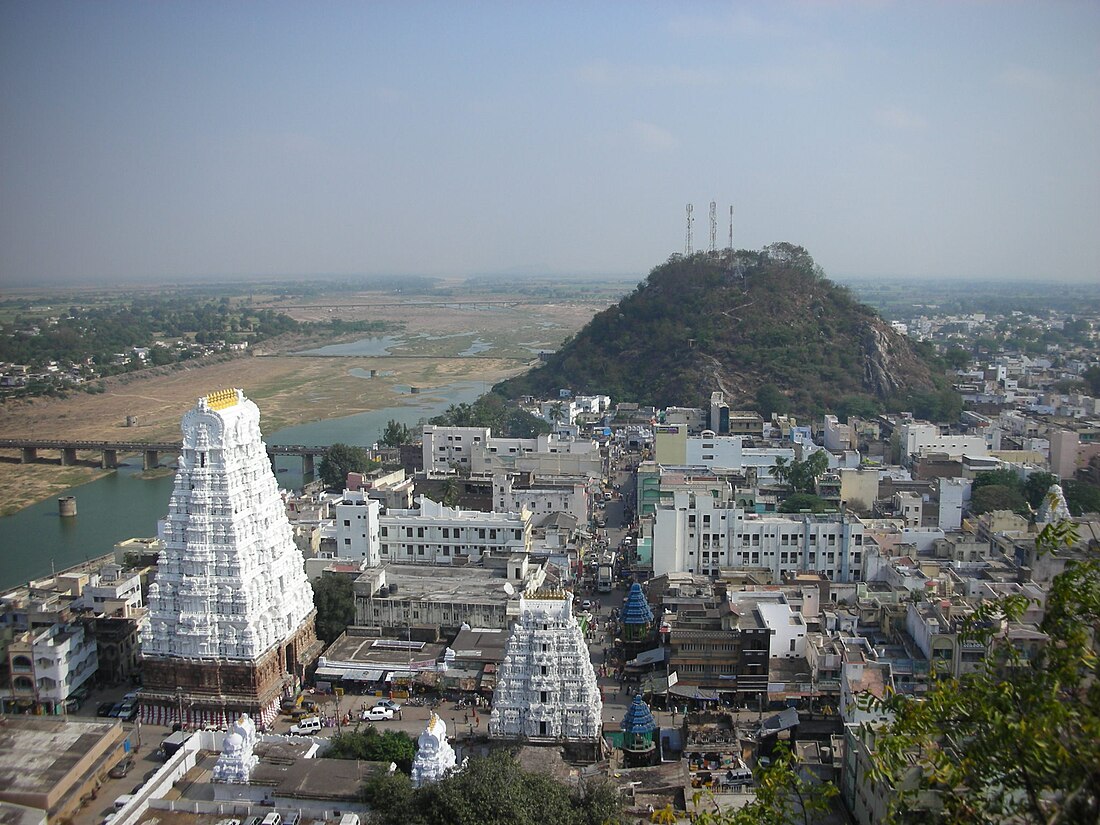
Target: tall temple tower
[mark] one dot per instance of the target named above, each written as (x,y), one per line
(231,611)
(546,687)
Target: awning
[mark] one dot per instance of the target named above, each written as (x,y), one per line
(329,673)
(648,657)
(363,675)
(692,692)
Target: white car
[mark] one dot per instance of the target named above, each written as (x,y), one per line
(376,714)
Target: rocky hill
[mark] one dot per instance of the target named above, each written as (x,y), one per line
(766,327)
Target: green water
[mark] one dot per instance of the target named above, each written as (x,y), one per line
(122,505)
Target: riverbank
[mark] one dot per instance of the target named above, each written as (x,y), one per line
(289,391)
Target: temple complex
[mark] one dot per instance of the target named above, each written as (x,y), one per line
(546,687)
(231,611)
(434,755)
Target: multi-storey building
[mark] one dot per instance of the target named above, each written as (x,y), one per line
(47,666)
(474,449)
(437,534)
(698,534)
(515,492)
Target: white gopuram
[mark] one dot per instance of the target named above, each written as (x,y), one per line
(546,687)
(1054,507)
(231,611)
(237,759)
(435,757)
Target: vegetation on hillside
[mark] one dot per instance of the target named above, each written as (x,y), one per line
(492,411)
(764,326)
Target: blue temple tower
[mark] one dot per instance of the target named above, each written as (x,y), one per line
(638,726)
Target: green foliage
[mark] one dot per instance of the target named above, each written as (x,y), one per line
(797,502)
(997,497)
(372,745)
(745,319)
(1019,739)
(334,598)
(341,459)
(783,797)
(801,475)
(396,434)
(1036,487)
(493,790)
(1092,380)
(491,410)
(1003,477)
(1081,497)
(770,400)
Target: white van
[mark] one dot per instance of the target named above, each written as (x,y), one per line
(272,818)
(306,726)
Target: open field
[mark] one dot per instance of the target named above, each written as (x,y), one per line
(499,342)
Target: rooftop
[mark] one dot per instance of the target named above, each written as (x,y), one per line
(37,752)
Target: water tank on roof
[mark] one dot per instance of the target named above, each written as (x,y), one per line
(393,589)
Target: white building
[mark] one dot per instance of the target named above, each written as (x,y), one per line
(919,438)
(541,496)
(786,625)
(838,436)
(437,534)
(358,535)
(698,534)
(475,449)
(111,590)
(728,452)
(546,687)
(48,665)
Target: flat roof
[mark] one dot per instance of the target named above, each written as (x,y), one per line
(38,752)
(430,583)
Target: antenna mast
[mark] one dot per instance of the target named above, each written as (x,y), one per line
(713,227)
(731,228)
(687,241)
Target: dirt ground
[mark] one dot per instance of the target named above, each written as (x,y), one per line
(289,390)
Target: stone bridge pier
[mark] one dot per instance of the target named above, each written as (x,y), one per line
(29,455)
(68,456)
(109,460)
(151,460)
(307,465)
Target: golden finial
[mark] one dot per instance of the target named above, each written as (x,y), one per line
(222,399)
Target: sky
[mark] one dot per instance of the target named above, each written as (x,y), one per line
(170,141)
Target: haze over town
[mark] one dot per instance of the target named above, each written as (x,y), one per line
(165,142)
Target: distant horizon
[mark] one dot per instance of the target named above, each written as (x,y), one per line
(139,141)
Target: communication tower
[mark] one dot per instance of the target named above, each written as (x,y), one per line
(687,241)
(713,227)
(731,228)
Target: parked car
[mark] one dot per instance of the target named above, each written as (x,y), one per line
(128,712)
(388,703)
(122,768)
(376,714)
(586,604)
(104,708)
(116,709)
(306,727)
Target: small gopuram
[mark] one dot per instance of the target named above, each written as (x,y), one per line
(237,760)
(231,611)
(1054,507)
(638,726)
(546,689)
(637,616)
(435,757)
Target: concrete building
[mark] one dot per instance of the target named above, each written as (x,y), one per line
(403,595)
(786,627)
(919,438)
(474,449)
(231,611)
(52,765)
(437,534)
(46,666)
(730,452)
(516,492)
(838,437)
(697,534)
(357,525)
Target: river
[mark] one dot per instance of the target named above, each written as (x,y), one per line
(122,504)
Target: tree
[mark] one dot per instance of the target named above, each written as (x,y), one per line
(1000,478)
(997,497)
(1081,497)
(798,502)
(341,459)
(372,745)
(334,598)
(1018,740)
(1036,486)
(396,434)
(770,400)
(1092,380)
(492,790)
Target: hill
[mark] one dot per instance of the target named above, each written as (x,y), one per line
(766,327)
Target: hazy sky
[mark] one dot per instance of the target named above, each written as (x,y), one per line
(172,140)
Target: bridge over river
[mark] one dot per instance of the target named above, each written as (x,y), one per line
(151,451)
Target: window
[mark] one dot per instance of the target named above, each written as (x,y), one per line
(385,531)
(347,522)
(347,541)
